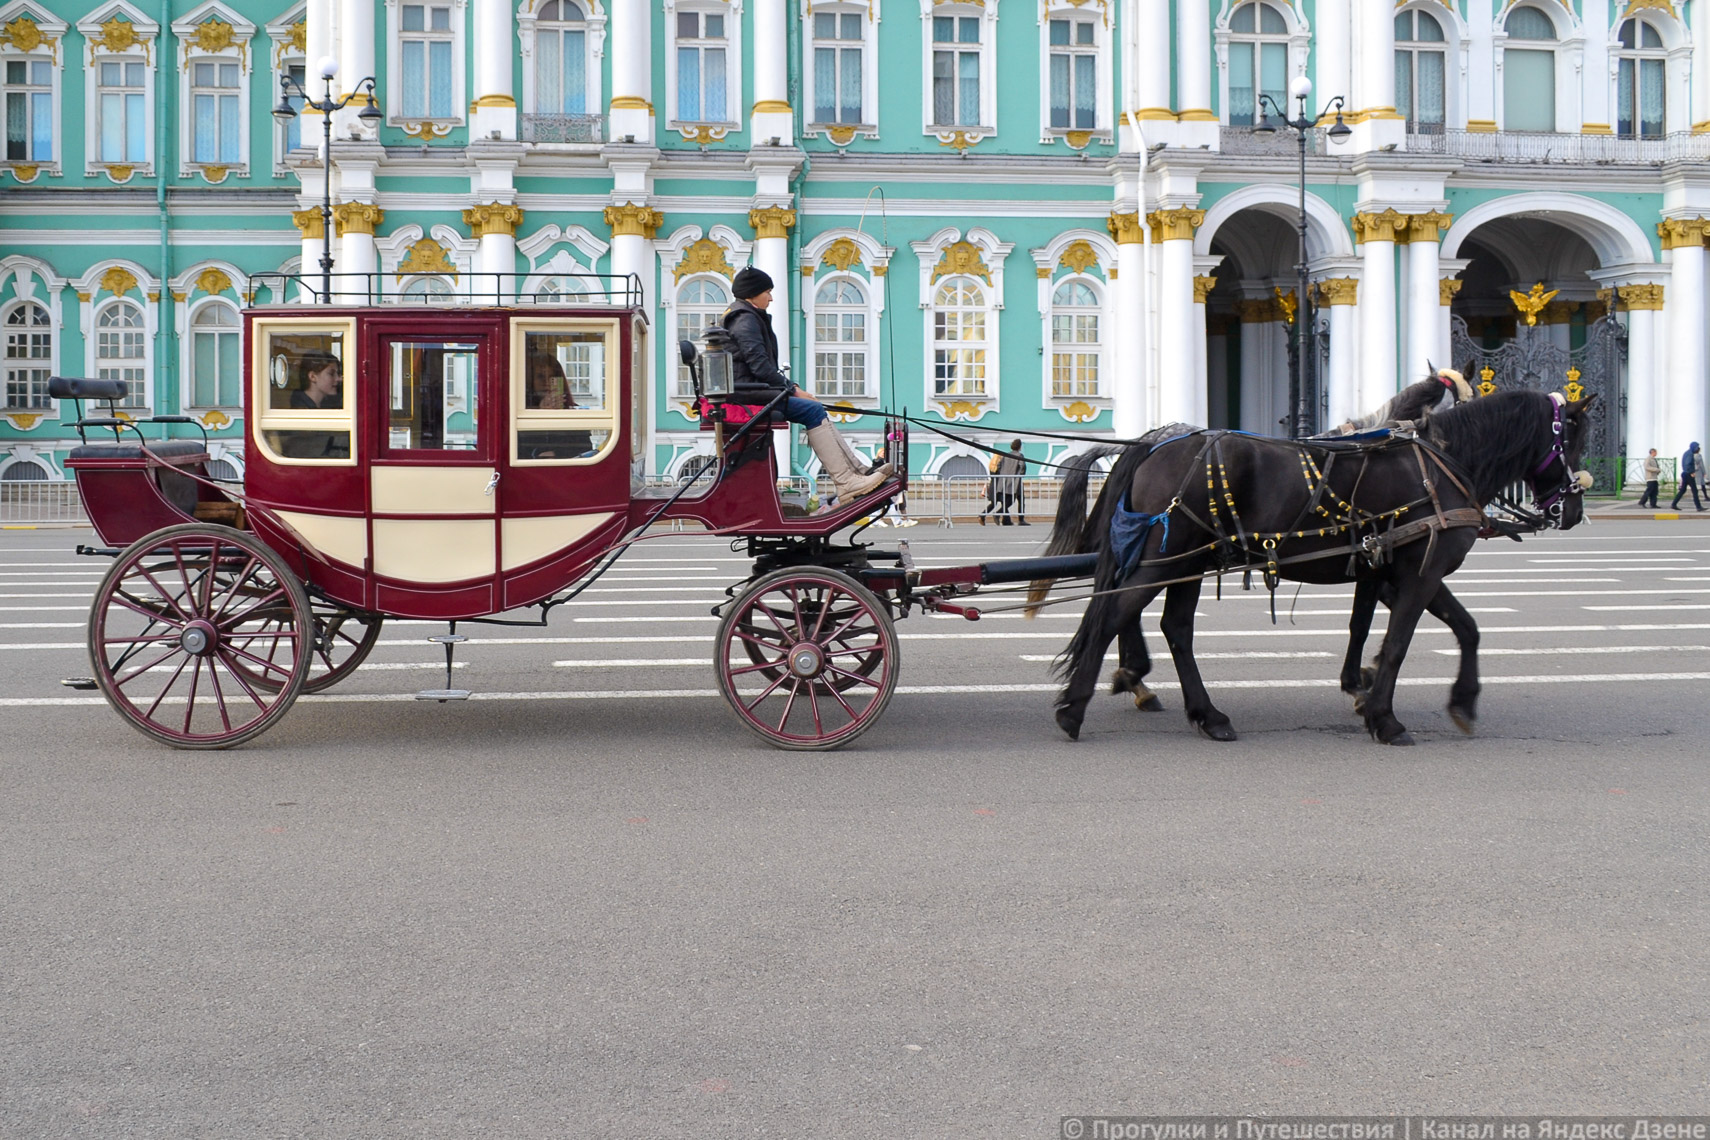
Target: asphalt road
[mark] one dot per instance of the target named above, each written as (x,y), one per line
(587,904)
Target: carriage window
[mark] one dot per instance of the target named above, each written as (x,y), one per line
(567,386)
(306,413)
(434,395)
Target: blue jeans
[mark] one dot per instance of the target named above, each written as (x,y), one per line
(805,412)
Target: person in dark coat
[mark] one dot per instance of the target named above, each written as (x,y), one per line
(757,379)
(1690,464)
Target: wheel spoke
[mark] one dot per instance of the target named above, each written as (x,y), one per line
(267,665)
(190,703)
(139,606)
(234,620)
(237,676)
(789,704)
(120,682)
(756,668)
(164,596)
(813,704)
(230,594)
(838,697)
(853,677)
(769,690)
(827,604)
(764,643)
(141,639)
(763,608)
(167,688)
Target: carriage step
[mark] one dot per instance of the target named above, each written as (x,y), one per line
(443,695)
(81,684)
(448,639)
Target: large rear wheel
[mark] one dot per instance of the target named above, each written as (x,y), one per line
(343,639)
(200,636)
(807,658)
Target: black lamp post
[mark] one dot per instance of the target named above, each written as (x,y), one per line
(1301,389)
(370,114)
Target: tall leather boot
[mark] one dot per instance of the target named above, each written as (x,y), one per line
(835,462)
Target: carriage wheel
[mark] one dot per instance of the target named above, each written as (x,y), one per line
(343,640)
(807,659)
(184,623)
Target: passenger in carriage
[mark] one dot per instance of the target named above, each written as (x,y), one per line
(757,380)
(321,388)
(548,388)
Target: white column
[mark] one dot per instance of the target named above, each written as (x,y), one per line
(770,56)
(1374,76)
(1481,70)
(355,60)
(1179,398)
(633,227)
(318,18)
(1426,345)
(495,227)
(1377,308)
(308,222)
(771,225)
(1700,70)
(494,106)
(631,48)
(1200,377)
(1153,81)
(1652,416)
(1193,61)
(1332,52)
(1595,112)
(1256,352)
(1341,296)
(1683,307)
(356,222)
(1128,368)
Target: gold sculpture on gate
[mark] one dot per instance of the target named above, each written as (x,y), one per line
(1486,381)
(1573,389)
(1531,304)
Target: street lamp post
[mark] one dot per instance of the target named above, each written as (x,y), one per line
(1302,392)
(370,115)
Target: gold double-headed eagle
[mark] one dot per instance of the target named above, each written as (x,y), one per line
(1531,304)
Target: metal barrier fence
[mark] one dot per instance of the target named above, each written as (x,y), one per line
(965,498)
(40,502)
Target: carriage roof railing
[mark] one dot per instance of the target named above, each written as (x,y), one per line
(447,290)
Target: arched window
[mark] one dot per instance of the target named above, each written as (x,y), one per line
(840,345)
(24,471)
(959,341)
(1075,342)
(120,349)
(1258,61)
(215,372)
(223,470)
(962,467)
(1640,90)
(701,302)
(29,356)
(561,59)
(1529,73)
(429,289)
(1420,66)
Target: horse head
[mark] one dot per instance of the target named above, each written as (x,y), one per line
(1558,482)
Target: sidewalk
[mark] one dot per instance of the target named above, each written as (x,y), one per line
(1618,509)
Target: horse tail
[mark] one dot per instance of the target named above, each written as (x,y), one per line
(1069,531)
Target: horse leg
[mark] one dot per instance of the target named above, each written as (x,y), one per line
(1463,694)
(1105,618)
(1354,679)
(1131,669)
(1411,594)
(1177,625)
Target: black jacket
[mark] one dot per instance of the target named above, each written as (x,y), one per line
(756,350)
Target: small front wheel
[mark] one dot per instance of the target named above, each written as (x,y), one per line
(200,636)
(807,658)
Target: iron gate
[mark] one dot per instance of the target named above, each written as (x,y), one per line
(1531,361)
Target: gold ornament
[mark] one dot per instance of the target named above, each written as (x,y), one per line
(961,410)
(23,34)
(841,254)
(705,256)
(1287,303)
(1574,390)
(1079,412)
(964,257)
(1486,378)
(426,256)
(356,218)
(632,220)
(1125,228)
(771,221)
(1078,257)
(118,281)
(213,280)
(494,218)
(1531,304)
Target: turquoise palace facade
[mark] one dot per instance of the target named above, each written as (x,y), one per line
(1007,215)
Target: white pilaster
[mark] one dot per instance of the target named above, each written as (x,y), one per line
(1377,123)
(1649,419)
(1595,110)
(1344,345)
(1683,308)
(1128,319)
(1332,52)
(632,73)
(1426,345)
(493,111)
(1193,73)
(1377,377)
(1700,68)
(1181,390)
(355,61)
(772,116)
(1152,82)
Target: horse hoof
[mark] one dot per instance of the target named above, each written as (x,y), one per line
(1360,704)
(1069,723)
(1463,719)
(1148,702)
(1222,733)
(1402,739)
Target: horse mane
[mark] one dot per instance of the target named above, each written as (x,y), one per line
(1497,439)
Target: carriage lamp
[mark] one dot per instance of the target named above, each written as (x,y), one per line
(1302,375)
(370,115)
(717,371)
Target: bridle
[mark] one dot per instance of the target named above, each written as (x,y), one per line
(1553,506)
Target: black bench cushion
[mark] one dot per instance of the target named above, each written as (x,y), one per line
(165,448)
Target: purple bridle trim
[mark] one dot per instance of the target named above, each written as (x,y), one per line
(1551,505)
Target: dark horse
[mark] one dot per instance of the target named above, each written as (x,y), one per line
(1404,513)
(1073,533)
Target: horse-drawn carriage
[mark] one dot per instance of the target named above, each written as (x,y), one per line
(457,463)
(452,464)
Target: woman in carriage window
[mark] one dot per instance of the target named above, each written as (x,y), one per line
(549,388)
(757,379)
(321,387)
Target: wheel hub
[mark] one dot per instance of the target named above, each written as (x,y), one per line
(807,660)
(199,638)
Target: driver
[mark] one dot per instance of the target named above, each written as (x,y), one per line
(757,379)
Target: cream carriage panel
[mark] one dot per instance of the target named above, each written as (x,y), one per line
(433,490)
(434,550)
(531,539)
(340,538)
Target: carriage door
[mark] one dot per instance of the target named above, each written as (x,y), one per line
(434,494)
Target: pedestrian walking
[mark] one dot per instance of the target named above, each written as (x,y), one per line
(992,466)
(1653,475)
(1013,471)
(1691,472)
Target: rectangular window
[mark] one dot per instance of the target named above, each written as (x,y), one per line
(562,87)
(1528,90)
(955,71)
(29,356)
(701,75)
(565,394)
(837,67)
(1074,69)
(215,107)
(305,408)
(1074,355)
(29,110)
(426,43)
(294,128)
(1640,113)
(123,117)
(840,358)
(215,359)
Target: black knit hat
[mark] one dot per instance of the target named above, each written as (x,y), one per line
(750,282)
